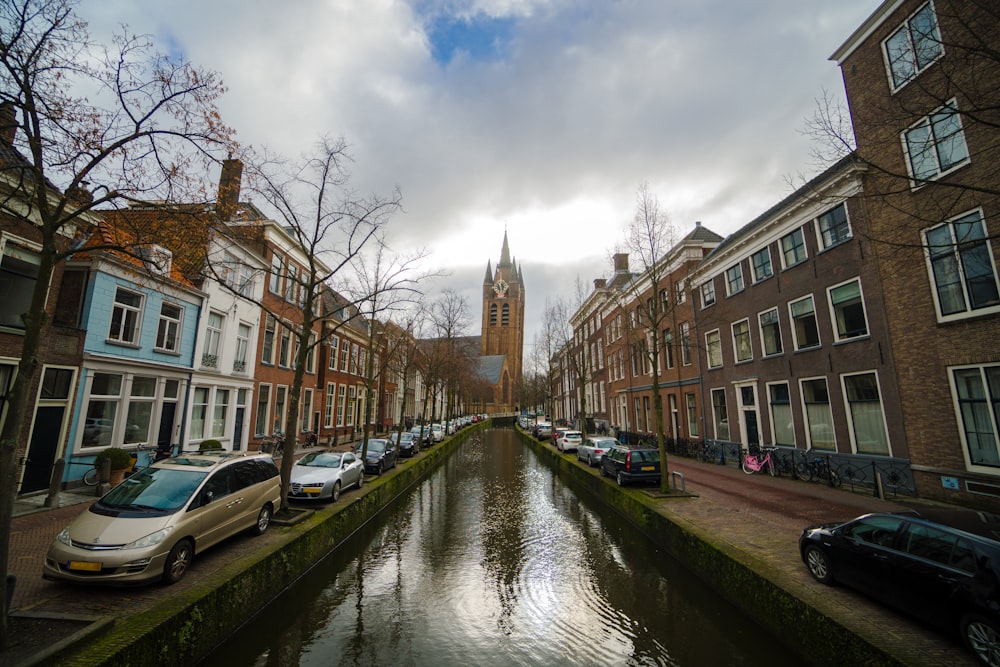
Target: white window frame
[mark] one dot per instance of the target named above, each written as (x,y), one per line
(763,338)
(242,353)
(713,341)
(806,412)
(132,335)
(838,336)
(168,325)
(29,253)
(959,266)
(898,78)
(331,404)
(795,333)
(929,123)
(707,293)
(770,410)
(745,322)
(264,388)
(766,250)
(848,407)
(734,279)
(824,229)
(784,252)
(986,419)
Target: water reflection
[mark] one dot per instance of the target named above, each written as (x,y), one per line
(492,560)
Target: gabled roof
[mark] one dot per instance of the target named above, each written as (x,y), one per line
(491,367)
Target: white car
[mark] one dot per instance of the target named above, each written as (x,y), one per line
(569,441)
(437,432)
(592,449)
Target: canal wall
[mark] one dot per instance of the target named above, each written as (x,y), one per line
(747,582)
(187,626)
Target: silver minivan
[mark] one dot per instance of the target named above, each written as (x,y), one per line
(151,525)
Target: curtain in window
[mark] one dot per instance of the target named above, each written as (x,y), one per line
(976,408)
(866,414)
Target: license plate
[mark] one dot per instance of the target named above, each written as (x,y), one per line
(84,565)
(648,468)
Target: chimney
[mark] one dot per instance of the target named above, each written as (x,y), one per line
(600,283)
(229,189)
(621,262)
(8,122)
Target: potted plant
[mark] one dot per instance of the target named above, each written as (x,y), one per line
(120,459)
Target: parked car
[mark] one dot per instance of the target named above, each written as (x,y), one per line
(939,565)
(153,524)
(437,432)
(542,430)
(568,441)
(381,455)
(592,449)
(406,443)
(631,464)
(422,433)
(322,475)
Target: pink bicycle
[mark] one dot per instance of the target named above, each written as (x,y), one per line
(755,462)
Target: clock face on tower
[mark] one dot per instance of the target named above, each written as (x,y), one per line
(500,288)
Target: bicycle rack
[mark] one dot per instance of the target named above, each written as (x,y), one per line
(673,481)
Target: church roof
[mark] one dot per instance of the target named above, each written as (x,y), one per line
(504,252)
(490,367)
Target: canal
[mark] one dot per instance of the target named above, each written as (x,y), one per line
(493,561)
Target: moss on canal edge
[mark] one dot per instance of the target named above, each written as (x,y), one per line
(186,627)
(747,582)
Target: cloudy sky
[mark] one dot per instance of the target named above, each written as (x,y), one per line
(538,117)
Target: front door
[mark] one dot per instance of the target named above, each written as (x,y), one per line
(749,429)
(166,429)
(42,450)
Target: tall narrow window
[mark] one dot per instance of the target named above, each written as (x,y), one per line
(331,361)
(213,336)
(864,407)
(505,315)
(125,316)
(692,414)
(493,314)
(713,347)
(280,394)
(331,404)
(962,266)
(819,418)
(168,329)
(219,412)
(199,413)
(285,347)
(341,404)
(804,328)
(782,428)
(741,341)
(267,347)
(345,355)
(18,274)
(978,391)
(770,332)
(685,344)
(720,414)
(761,263)
(263,403)
(242,346)
(848,311)
(277,269)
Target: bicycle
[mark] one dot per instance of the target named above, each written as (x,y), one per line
(93,476)
(274,445)
(818,468)
(755,462)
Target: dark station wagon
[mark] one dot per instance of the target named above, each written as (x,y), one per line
(940,565)
(631,464)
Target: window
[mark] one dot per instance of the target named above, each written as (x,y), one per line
(280,394)
(305,409)
(782,428)
(284,346)
(352,402)
(770,332)
(274,284)
(719,414)
(793,248)
(331,404)
(692,414)
(263,403)
(355,369)
(804,329)
(708,293)
(291,283)
(819,418)
(935,145)
(242,346)
(142,397)
(848,311)
(864,410)
(219,413)
(760,262)
(331,361)
(734,279)
(668,347)
(345,355)
(961,266)
(267,348)
(713,346)
(311,354)
(833,226)
(199,413)
(125,316)
(213,336)
(505,315)
(169,327)
(913,47)
(741,341)
(493,314)
(102,409)
(341,403)
(681,291)
(978,392)
(18,274)
(685,344)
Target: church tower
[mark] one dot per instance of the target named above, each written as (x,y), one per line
(503,315)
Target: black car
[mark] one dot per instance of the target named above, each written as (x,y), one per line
(631,464)
(406,443)
(941,566)
(381,456)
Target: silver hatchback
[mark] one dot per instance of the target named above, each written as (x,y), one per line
(151,525)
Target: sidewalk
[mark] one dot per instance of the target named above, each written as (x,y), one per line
(757,519)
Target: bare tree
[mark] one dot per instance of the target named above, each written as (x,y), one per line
(450,317)
(577,358)
(332,226)
(154,125)
(649,299)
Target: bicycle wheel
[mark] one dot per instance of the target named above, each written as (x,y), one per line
(746,466)
(803,470)
(91,477)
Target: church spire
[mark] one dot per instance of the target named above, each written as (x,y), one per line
(489,274)
(505,252)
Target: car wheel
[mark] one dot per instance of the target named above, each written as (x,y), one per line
(263,520)
(178,561)
(361,479)
(620,479)
(819,565)
(335,494)
(379,473)
(590,460)
(604,473)
(982,636)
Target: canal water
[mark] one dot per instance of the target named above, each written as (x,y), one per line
(493,561)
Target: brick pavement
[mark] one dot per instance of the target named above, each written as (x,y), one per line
(754,515)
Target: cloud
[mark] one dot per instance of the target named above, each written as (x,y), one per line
(539,117)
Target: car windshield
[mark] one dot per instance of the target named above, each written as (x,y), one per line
(160,489)
(377,446)
(321,460)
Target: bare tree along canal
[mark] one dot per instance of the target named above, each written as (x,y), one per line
(493,561)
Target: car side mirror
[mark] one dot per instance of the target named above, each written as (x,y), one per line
(207,497)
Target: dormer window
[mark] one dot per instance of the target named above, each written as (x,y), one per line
(157,259)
